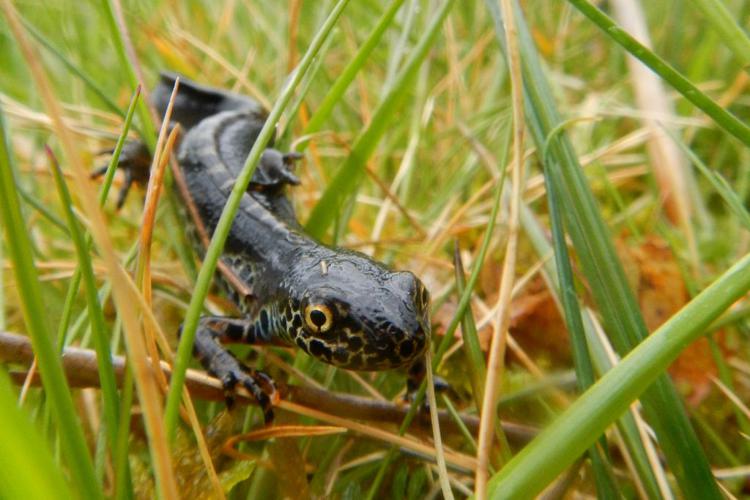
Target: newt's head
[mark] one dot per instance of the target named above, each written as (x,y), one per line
(354,313)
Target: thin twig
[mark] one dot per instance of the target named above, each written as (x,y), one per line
(81,371)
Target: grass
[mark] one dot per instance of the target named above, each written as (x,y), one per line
(405,112)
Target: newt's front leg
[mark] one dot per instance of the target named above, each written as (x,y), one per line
(213,331)
(416,373)
(135,162)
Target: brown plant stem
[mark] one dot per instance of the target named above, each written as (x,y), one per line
(81,371)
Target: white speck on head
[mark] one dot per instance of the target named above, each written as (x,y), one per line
(323,267)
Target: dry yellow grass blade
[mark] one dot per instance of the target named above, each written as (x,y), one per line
(734,398)
(276,431)
(143,265)
(161,158)
(439,451)
(453,458)
(495,364)
(145,381)
(253,90)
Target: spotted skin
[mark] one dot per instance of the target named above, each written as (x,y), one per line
(337,305)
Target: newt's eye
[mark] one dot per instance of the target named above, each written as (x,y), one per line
(318,317)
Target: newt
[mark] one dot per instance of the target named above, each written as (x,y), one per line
(338,305)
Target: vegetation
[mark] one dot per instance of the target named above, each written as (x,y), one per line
(559,200)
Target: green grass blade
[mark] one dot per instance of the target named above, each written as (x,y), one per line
(35,316)
(346,77)
(2,287)
(147,124)
(42,209)
(96,315)
(721,185)
(725,24)
(123,486)
(721,117)
(213,252)
(109,175)
(662,405)
(351,172)
(626,424)
(566,438)
(465,297)
(27,469)
(475,364)
(606,486)
(90,83)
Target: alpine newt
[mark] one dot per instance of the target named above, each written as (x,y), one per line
(338,305)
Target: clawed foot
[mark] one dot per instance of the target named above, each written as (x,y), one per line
(258,383)
(223,365)
(135,162)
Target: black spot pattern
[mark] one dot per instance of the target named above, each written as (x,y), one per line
(355,342)
(341,355)
(317,348)
(234,331)
(264,322)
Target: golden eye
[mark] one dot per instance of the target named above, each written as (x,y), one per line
(318,317)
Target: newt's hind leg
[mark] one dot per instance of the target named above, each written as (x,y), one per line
(216,330)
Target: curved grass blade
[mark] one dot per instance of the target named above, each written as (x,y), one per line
(720,185)
(566,438)
(122,293)
(122,470)
(626,424)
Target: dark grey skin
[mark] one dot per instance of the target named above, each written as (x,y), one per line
(337,305)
